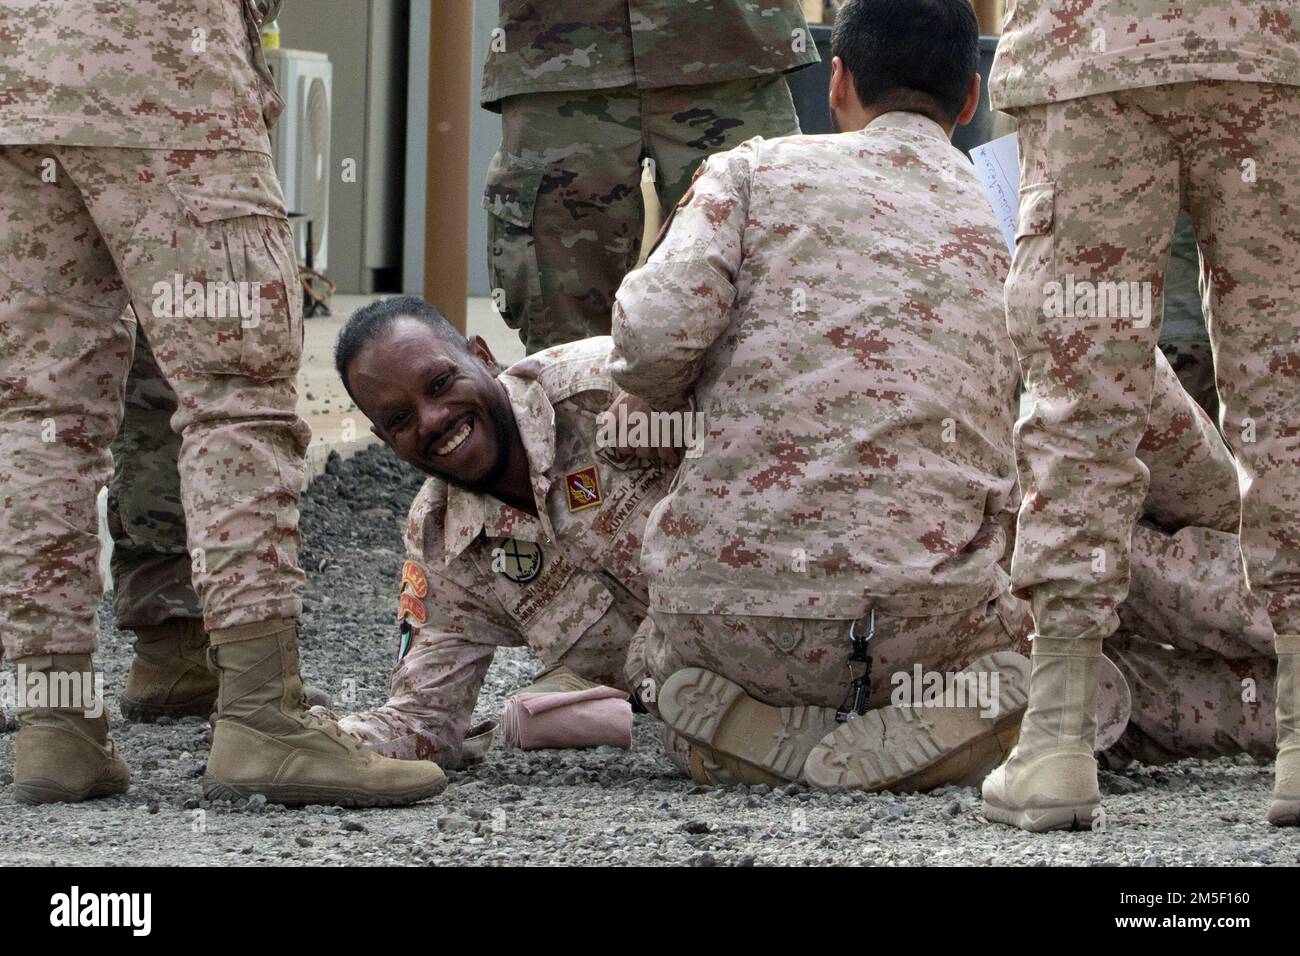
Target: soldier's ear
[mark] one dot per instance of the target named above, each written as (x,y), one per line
(479,349)
(838,87)
(972,101)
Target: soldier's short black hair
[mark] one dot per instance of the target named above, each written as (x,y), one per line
(369,322)
(915,55)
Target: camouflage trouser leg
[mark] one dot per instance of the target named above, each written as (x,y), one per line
(117,226)
(65,347)
(563,192)
(1243,174)
(684,125)
(1100,189)
(788,661)
(1196,648)
(151,566)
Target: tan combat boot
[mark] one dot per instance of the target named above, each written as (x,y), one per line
(169,675)
(63,755)
(1284,810)
(711,769)
(912,747)
(265,740)
(715,713)
(1050,780)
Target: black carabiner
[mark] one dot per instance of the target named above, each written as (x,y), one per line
(855,703)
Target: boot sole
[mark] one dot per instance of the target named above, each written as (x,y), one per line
(297,795)
(1078,816)
(907,748)
(708,709)
(144,713)
(1284,813)
(44,790)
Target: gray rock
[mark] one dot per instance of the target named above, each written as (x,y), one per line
(454,823)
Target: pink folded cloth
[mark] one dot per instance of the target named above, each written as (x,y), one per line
(599,717)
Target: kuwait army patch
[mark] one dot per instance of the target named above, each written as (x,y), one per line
(413,575)
(520,561)
(410,608)
(583,488)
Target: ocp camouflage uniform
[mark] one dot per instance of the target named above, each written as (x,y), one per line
(482,575)
(587,89)
(94,222)
(146,518)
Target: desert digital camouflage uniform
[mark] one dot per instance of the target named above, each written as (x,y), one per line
(109,189)
(482,575)
(588,89)
(460,599)
(826,484)
(1196,649)
(1126,111)
(858,394)
(1194,644)
(858,420)
(1050,51)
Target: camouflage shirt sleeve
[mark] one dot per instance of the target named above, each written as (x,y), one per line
(670,311)
(434,687)
(453,636)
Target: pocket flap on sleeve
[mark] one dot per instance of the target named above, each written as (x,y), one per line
(1037,210)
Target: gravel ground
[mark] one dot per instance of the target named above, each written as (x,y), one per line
(601,806)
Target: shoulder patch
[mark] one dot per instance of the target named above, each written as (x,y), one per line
(413,575)
(410,608)
(583,488)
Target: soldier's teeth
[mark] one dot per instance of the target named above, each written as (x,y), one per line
(457,439)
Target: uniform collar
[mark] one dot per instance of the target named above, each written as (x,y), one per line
(469,514)
(907,120)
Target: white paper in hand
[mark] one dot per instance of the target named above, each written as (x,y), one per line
(998,165)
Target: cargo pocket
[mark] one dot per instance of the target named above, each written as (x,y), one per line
(785,634)
(233,296)
(1037,211)
(1036,218)
(555,609)
(1032,265)
(509,198)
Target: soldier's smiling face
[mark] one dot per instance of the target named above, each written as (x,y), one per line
(436,403)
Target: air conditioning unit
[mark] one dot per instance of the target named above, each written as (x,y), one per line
(300,143)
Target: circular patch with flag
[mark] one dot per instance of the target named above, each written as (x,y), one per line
(520,561)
